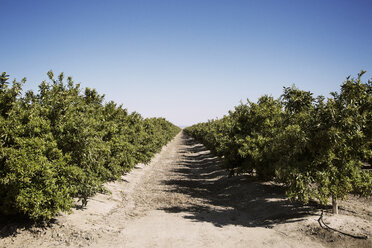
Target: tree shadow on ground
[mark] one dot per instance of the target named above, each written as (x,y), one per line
(10,225)
(240,200)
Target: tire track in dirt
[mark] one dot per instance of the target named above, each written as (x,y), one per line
(184,200)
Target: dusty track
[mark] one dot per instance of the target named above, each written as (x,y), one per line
(182,199)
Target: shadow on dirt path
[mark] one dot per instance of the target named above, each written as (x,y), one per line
(183,199)
(240,200)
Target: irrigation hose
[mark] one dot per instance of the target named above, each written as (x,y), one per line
(325,226)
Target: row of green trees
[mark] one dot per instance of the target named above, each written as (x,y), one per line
(315,147)
(64,142)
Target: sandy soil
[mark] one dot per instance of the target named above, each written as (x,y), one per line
(182,199)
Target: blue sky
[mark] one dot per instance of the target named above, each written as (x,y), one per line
(187,61)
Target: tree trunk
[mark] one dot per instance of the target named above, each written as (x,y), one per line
(334,205)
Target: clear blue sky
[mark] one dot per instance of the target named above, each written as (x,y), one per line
(188,61)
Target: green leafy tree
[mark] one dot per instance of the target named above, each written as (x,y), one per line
(61,143)
(315,147)
(342,142)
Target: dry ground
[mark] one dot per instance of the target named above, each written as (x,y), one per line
(182,199)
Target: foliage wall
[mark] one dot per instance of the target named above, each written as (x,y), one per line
(316,147)
(64,142)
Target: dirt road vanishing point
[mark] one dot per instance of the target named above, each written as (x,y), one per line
(182,199)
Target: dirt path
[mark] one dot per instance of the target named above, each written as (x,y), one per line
(182,199)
